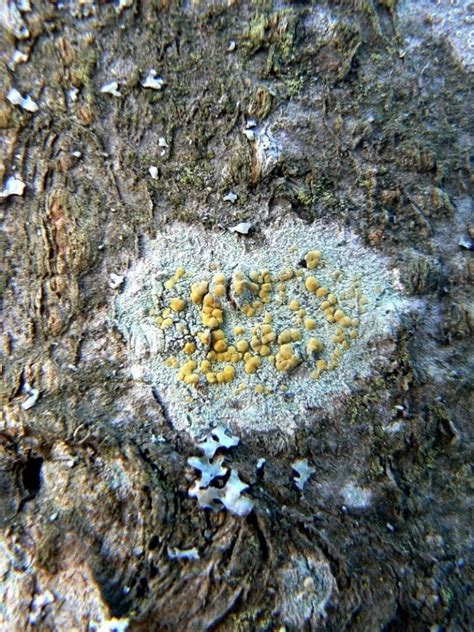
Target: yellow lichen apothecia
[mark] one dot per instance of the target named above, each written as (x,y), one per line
(223,325)
(223,353)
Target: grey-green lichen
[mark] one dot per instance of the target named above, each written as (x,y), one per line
(267,328)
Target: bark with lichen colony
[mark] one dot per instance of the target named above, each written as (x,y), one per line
(237,289)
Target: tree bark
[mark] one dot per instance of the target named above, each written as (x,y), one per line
(371,99)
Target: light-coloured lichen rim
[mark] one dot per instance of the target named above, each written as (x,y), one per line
(294,395)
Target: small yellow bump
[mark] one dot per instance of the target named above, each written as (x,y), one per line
(242,345)
(345,345)
(250,367)
(203,337)
(345,321)
(321,291)
(211,378)
(220,377)
(332,299)
(311,284)
(177,304)
(355,322)
(255,343)
(312,259)
(189,348)
(229,373)
(267,318)
(353,334)
(198,290)
(212,356)
(205,366)
(219,278)
(295,334)
(285,275)
(321,365)
(180,272)
(293,305)
(167,323)
(285,336)
(219,345)
(217,334)
(218,290)
(259,389)
(338,314)
(192,379)
(286,351)
(309,323)
(264,350)
(169,284)
(314,345)
(239,330)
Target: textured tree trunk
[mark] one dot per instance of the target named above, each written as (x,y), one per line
(353,114)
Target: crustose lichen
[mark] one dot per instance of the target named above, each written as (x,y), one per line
(264,328)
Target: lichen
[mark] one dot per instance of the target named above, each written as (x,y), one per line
(215,328)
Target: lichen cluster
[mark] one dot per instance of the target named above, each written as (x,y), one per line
(217,352)
(216,328)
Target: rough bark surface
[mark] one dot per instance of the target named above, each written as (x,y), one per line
(94,508)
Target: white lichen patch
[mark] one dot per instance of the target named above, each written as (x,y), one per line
(153,81)
(13,186)
(356,497)
(303,471)
(26,103)
(230,496)
(111,88)
(183,554)
(256,333)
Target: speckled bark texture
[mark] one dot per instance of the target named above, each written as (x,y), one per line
(350,113)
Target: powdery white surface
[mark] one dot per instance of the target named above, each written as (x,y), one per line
(290,397)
